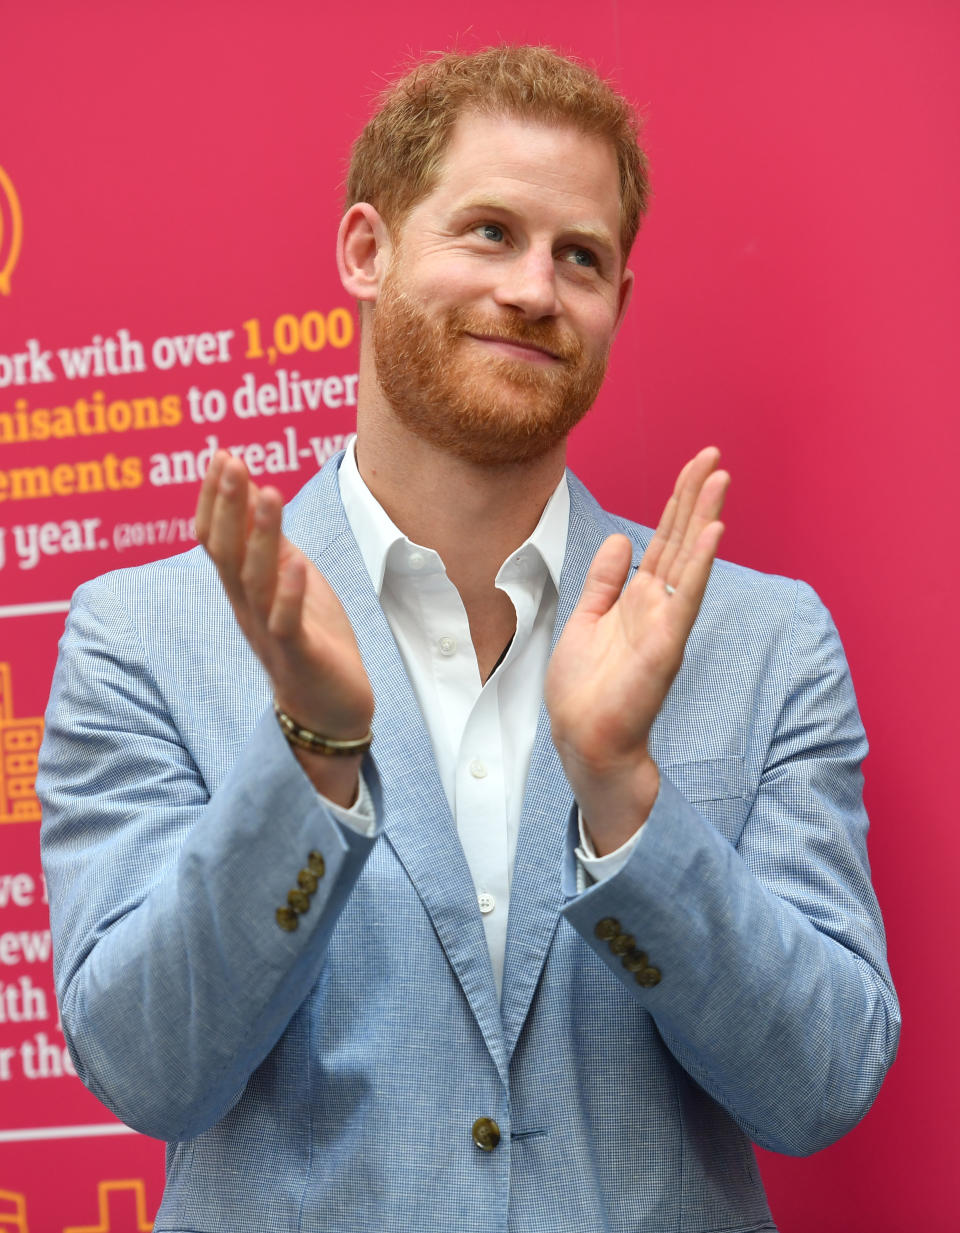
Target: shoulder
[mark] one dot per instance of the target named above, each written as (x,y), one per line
(160,590)
(185,588)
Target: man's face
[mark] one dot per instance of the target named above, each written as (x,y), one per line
(493,322)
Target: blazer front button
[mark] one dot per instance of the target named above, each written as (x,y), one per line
(486,1133)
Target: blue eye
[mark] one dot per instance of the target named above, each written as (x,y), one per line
(490,231)
(583,256)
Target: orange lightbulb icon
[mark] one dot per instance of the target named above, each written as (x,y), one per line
(9,243)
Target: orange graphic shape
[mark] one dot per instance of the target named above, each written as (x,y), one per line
(104,1191)
(14,1219)
(16,232)
(19,745)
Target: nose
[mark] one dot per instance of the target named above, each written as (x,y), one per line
(528,282)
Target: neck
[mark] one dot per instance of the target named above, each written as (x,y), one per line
(474,516)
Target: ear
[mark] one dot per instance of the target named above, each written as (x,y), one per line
(363,251)
(626,291)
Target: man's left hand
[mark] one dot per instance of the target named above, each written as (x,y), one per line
(621,649)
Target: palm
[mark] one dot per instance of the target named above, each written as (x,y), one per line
(323,649)
(613,671)
(622,647)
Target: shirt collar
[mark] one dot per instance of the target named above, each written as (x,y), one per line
(376,533)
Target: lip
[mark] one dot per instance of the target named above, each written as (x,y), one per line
(517,350)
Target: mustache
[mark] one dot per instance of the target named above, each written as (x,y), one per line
(542,334)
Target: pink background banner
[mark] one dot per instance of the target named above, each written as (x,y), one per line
(170,186)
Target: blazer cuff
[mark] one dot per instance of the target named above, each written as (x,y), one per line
(361,817)
(599,868)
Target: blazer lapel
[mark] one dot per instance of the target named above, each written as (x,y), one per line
(544,875)
(416,816)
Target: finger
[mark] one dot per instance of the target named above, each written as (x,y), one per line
(664,527)
(692,584)
(605,577)
(708,508)
(258,574)
(253,495)
(699,468)
(226,540)
(286,612)
(208,493)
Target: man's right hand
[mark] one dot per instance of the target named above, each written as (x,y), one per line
(291,617)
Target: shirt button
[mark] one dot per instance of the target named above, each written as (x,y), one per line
(448,646)
(477,769)
(486,901)
(415,560)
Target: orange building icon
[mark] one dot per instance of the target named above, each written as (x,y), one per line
(19,744)
(106,1209)
(13,1212)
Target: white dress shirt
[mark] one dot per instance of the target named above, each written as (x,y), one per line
(482,732)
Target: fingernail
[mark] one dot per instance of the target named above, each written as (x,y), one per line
(261,512)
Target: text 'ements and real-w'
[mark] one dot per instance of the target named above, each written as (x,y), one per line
(31,542)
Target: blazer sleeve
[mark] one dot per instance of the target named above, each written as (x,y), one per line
(173,975)
(773,992)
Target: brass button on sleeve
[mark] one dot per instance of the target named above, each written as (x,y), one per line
(636,961)
(316,864)
(287,919)
(648,977)
(486,1133)
(607,928)
(623,943)
(298,900)
(307,881)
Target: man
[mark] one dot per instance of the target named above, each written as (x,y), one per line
(588,917)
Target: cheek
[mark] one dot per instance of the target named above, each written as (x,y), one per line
(457,275)
(598,327)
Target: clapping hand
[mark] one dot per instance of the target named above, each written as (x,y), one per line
(289,614)
(621,649)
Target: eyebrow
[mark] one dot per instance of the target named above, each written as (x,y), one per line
(598,236)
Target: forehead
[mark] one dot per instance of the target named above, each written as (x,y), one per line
(528,164)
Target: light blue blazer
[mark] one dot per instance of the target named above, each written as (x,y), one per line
(329,1078)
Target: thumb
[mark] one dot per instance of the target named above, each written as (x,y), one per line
(605,577)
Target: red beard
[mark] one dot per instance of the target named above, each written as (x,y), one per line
(487,409)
